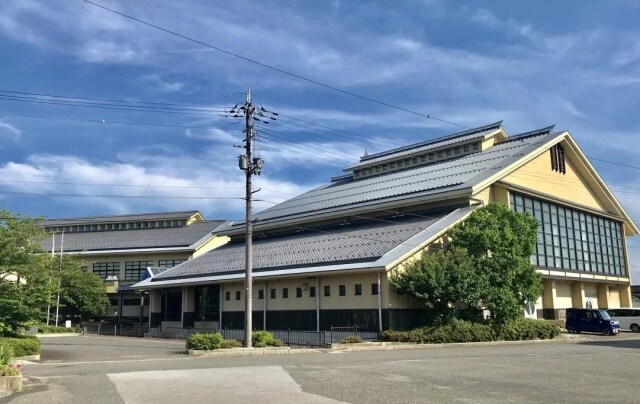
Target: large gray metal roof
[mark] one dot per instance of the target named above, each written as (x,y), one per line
(120,218)
(475,133)
(184,236)
(350,243)
(460,173)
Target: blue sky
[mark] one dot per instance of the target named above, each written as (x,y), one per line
(531,64)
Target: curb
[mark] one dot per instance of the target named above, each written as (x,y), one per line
(65,334)
(374,346)
(252,351)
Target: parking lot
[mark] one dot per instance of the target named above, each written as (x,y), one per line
(123,370)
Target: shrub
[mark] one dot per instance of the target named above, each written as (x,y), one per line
(394,336)
(6,357)
(261,339)
(205,341)
(23,346)
(352,339)
(276,342)
(527,329)
(466,331)
(52,329)
(230,343)
(456,331)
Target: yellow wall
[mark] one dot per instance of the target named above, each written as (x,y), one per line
(215,242)
(538,176)
(335,301)
(564,295)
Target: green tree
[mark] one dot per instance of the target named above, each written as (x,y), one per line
(82,293)
(491,250)
(501,242)
(444,282)
(25,287)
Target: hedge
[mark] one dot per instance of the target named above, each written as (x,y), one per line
(261,339)
(206,342)
(23,346)
(52,329)
(466,331)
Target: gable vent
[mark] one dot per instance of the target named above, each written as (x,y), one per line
(557,159)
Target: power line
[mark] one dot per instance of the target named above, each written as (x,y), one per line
(138,108)
(299,77)
(111,99)
(104,121)
(62,195)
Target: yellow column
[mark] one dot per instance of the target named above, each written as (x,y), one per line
(603,296)
(549,295)
(625,295)
(577,294)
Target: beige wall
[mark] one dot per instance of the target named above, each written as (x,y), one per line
(350,301)
(215,242)
(564,295)
(538,176)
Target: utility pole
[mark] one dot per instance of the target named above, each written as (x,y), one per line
(53,256)
(250,166)
(59,277)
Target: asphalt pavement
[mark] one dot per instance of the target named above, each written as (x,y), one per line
(128,370)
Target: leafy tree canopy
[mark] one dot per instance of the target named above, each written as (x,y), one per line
(486,265)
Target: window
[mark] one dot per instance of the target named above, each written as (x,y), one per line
(358,289)
(207,303)
(237,295)
(285,293)
(574,240)
(260,294)
(374,289)
(342,290)
(107,269)
(298,292)
(169,263)
(134,270)
(327,290)
(273,293)
(227,295)
(312,291)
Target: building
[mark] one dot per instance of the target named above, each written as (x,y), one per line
(120,249)
(323,258)
(635,296)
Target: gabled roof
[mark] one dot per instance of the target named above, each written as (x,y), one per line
(444,177)
(365,245)
(108,240)
(181,215)
(470,134)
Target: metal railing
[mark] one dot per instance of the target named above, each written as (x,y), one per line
(116,330)
(288,337)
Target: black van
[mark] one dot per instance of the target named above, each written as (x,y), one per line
(591,320)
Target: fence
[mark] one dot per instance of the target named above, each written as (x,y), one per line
(116,330)
(288,337)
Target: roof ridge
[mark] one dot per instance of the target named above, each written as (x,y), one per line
(431,141)
(535,132)
(121,216)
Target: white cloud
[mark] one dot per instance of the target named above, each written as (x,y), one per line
(10,130)
(148,187)
(161,85)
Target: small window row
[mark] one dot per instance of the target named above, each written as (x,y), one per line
(342,291)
